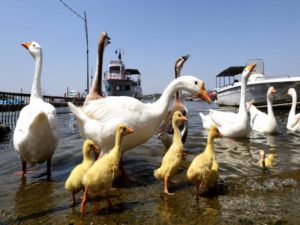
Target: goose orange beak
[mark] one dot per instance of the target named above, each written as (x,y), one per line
(203,94)
(26,44)
(251,67)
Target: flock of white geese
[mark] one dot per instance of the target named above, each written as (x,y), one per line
(112,125)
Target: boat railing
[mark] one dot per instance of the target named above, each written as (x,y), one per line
(113,76)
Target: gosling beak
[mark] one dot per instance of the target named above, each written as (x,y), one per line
(26,44)
(203,94)
(97,149)
(129,130)
(251,67)
(184,118)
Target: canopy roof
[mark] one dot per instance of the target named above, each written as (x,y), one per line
(132,71)
(231,71)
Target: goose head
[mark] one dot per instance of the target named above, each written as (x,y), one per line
(104,39)
(33,47)
(271,92)
(192,85)
(247,71)
(123,130)
(214,132)
(89,146)
(291,92)
(179,64)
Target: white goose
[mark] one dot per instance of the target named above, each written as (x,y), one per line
(98,119)
(260,121)
(165,131)
(96,89)
(36,133)
(234,124)
(293,123)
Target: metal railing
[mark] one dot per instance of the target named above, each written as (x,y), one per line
(12,103)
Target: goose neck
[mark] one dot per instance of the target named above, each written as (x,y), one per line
(97,82)
(242,107)
(36,90)
(269,105)
(294,103)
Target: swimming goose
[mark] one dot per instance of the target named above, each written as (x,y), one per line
(74,181)
(260,121)
(235,124)
(173,156)
(36,134)
(200,169)
(96,89)
(166,130)
(293,123)
(98,118)
(102,173)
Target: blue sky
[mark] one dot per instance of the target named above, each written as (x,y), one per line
(215,33)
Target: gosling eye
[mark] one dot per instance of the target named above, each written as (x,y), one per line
(196,82)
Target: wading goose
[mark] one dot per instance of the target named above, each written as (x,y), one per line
(234,124)
(96,89)
(100,176)
(201,167)
(166,130)
(173,156)
(36,133)
(266,162)
(98,119)
(260,121)
(293,123)
(74,181)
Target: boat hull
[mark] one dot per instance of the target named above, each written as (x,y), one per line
(230,95)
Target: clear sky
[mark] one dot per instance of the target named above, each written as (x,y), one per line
(217,34)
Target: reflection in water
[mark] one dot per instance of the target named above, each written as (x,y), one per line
(33,200)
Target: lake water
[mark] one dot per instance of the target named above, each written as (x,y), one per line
(246,194)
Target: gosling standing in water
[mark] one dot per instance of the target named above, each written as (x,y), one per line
(201,167)
(101,175)
(74,181)
(266,162)
(173,157)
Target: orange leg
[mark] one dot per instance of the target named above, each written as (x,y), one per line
(84,200)
(108,200)
(166,184)
(73,198)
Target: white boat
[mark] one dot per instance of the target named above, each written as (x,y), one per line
(119,81)
(229,87)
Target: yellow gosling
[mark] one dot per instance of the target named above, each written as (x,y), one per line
(266,162)
(102,173)
(173,156)
(74,181)
(201,167)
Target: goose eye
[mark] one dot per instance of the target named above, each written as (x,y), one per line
(196,82)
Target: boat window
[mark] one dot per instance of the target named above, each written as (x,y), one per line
(115,69)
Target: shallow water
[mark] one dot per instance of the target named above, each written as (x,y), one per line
(245,194)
